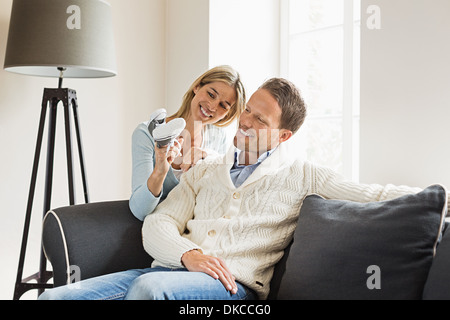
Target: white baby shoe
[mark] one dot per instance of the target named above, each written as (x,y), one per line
(166,133)
(157,118)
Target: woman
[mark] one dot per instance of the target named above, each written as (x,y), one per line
(214,100)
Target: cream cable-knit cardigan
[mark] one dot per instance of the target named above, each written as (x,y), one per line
(250,226)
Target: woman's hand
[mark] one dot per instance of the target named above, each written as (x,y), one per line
(191,157)
(164,157)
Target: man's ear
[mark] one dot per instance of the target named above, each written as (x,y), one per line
(285,135)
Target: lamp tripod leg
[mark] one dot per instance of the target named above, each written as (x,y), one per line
(73,99)
(52,97)
(19,288)
(42,277)
(69,152)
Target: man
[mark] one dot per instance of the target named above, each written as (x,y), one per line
(220,232)
(232,219)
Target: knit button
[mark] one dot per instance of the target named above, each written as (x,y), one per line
(212,233)
(236,196)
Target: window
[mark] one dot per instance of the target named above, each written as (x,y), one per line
(320,54)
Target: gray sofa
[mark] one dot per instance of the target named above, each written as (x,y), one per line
(341,250)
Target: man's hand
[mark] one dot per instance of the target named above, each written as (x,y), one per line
(195,261)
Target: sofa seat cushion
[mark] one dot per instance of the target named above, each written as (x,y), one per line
(379,250)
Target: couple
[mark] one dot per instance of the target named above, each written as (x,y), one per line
(222,229)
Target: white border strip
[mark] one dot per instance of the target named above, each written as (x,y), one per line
(66,251)
(443,216)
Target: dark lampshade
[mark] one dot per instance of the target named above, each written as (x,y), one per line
(45,35)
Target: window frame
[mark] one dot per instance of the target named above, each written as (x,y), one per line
(350,116)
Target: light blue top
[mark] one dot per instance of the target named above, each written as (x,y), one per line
(240,173)
(142,201)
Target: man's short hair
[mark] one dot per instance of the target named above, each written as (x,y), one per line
(293,108)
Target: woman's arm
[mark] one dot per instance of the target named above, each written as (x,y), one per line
(149,171)
(142,200)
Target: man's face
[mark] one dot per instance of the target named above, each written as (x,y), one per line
(259,125)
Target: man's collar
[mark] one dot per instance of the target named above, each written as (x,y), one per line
(261,158)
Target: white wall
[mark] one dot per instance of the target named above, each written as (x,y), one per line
(162,47)
(109,111)
(251,40)
(405,93)
(187,47)
(249,43)
(197,40)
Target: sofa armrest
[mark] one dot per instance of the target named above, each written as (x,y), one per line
(97,238)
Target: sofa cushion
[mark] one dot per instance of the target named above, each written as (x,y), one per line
(378,250)
(438,282)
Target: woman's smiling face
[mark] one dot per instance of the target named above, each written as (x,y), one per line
(212,102)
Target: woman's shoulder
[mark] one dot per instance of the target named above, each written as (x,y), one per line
(213,130)
(141,136)
(142,130)
(217,138)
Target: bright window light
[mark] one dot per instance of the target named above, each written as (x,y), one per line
(320,54)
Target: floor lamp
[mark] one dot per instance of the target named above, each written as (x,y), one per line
(62,39)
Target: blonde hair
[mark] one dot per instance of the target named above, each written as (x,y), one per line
(225,74)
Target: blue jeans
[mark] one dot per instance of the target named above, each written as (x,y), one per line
(149,284)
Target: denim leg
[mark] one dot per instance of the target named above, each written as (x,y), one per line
(183,285)
(109,287)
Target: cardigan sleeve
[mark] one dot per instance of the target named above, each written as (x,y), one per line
(162,231)
(330,185)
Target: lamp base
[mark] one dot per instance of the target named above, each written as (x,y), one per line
(50,100)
